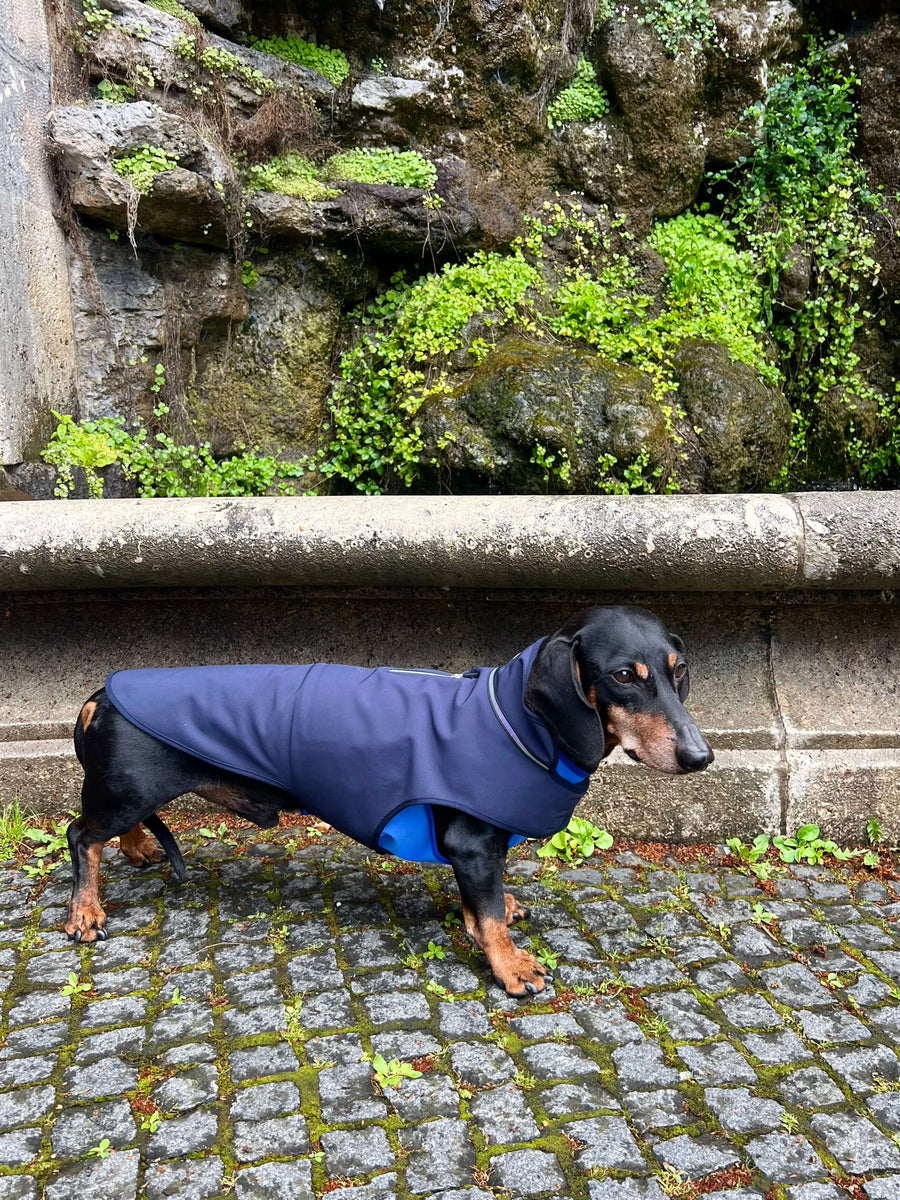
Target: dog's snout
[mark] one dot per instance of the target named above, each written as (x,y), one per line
(693,751)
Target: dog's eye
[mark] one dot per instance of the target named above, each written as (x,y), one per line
(623,676)
(680,671)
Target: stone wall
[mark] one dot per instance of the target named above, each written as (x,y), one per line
(37,354)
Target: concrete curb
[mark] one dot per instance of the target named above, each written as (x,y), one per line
(650,543)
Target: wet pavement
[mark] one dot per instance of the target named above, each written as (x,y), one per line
(702,1037)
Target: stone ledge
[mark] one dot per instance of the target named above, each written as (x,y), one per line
(654,543)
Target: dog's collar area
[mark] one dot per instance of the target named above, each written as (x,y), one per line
(562,767)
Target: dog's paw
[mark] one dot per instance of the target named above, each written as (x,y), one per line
(520,974)
(85,923)
(141,850)
(514,910)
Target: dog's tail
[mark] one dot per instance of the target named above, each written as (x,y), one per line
(164,836)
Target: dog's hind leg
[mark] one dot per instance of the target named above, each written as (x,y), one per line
(139,849)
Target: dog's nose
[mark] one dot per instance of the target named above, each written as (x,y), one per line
(693,752)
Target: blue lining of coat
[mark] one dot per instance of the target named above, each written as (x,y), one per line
(411,835)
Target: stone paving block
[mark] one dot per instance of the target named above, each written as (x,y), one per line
(249,989)
(275,1137)
(545,1025)
(551,1060)
(718,1063)
(188,1020)
(816,1191)
(346,1094)
(382,1188)
(571,1099)
(796,986)
(684,1016)
(196,1179)
(607,1022)
(658,1109)
(503,1116)
(405,1009)
(608,1143)
(838,1026)
(810,1088)
(356,1151)
(864,1068)
(405,1044)
(465,1019)
(720,977)
(259,1061)
(883,1189)
(441,1155)
(110,1077)
(179,1136)
(776,1049)
(265,1100)
(327,1010)
(25,1106)
(77,1129)
(188,1089)
(292,1179)
(856,1143)
(740,1112)
(420,1099)
(18,1187)
(19,1147)
(886,1108)
(643,1066)
(786,1158)
(749,1012)
(481,1065)
(696,1156)
(248,1022)
(113,1178)
(20,1071)
(527,1172)
(334,1049)
(314,972)
(626,1189)
(651,972)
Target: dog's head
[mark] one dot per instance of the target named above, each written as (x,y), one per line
(617,677)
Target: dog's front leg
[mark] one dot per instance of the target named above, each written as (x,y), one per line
(477,852)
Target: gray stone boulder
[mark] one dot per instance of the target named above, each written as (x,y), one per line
(227,16)
(133,311)
(742,425)
(525,395)
(187,203)
(144,48)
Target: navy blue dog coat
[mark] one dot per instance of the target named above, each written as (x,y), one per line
(369,751)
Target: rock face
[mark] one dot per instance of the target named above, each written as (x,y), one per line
(187,202)
(527,395)
(241,296)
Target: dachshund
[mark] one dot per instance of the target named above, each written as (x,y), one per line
(427,765)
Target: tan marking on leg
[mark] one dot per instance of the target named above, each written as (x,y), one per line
(139,848)
(514,910)
(513,968)
(85,914)
(648,735)
(472,926)
(87,712)
(673,659)
(641,670)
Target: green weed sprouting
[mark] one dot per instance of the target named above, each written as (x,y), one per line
(291,174)
(583,100)
(332,64)
(376,164)
(141,166)
(174,9)
(683,26)
(161,466)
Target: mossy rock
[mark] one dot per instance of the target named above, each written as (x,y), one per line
(744,425)
(569,401)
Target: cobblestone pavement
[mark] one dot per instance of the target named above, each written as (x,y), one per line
(693,1046)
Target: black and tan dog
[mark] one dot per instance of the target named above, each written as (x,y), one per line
(428,765)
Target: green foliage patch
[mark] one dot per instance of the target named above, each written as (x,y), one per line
(583,100)
(141,166)
(174,9)
(682,25)
(222,63)
(161,466)
(580,839)
(291,174)
(802,192)
(114,93)
(375,164)
(332,64)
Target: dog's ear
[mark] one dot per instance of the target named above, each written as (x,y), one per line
(553,692)
(683,686)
